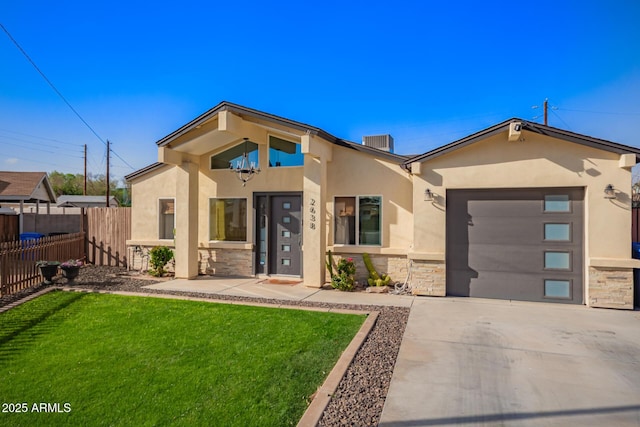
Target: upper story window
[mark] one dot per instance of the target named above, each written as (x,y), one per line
(233,156)
(284,153)
(166,217)
(357,220)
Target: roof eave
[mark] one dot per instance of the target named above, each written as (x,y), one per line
(531,127)
(396,158)
(239,109)
(143,171)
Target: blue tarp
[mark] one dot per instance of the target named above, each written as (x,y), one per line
(31,236)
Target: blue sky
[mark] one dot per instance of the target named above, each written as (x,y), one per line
(426,72)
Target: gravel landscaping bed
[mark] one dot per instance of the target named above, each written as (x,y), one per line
(361,393)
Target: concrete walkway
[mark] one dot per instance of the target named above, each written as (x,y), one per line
(258,288)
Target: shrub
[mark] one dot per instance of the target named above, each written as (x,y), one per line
(160,256)
(346,270)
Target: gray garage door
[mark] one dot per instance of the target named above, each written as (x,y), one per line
(521,244)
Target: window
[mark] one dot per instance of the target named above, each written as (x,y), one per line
(284,153)
(166,218)
(557,288)
(557,203)
(364,231)
(557,260)
(558,232)
(228,220)
(233,156)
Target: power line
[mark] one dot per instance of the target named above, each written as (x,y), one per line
(27,148)
(37,137)
(601,112)
(558,116)
(49,82)
(38,144)
(15,42)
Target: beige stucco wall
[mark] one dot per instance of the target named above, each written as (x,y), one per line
(145,193)
(328,171)
(410,226)
(348,173)
(224,184)
(352,173)
(539,161)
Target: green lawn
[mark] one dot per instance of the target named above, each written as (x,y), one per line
(114,360)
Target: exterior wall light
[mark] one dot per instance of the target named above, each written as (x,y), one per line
(609,192)
(244,169)
(428,195)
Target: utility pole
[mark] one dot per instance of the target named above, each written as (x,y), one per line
(545,107)
(108,152)
(84,191)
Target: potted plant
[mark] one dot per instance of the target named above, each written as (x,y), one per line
(71,268)
(48,270)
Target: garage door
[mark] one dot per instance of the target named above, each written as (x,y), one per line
(523,244)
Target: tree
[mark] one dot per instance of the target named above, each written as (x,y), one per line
(66,183)
(96,185)
(70,184)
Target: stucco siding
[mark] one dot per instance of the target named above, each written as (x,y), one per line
(145,193)
(538,161)
(351,173)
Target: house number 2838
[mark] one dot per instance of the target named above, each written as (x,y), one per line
(312,214)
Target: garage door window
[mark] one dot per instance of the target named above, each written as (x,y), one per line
(557,260)
(557,288)
(557,232)
(557,203)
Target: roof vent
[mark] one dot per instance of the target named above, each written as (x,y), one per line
(381,142)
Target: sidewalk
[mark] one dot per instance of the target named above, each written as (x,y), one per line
(259,288)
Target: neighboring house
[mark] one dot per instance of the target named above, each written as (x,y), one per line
(20,188)
(517,211)
(72,201)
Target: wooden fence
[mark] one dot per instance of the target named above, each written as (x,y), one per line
(9,227)
(18,259)
(108,230)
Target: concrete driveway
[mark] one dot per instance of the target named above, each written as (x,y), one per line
(467,361)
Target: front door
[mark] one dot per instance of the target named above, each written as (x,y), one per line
(278,234)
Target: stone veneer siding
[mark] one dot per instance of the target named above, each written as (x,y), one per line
(216,262)
(226,262)
(393,265)
(428,278)
(139,260)
(611,288)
